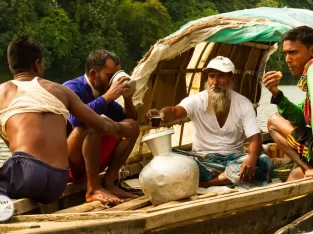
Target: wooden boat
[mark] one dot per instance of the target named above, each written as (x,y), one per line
(304,224)
(170,71)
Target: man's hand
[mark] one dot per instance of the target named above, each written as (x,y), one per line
(308,173)
(117,89)
(150,113)
(132,88)
(247,169)
(271,80)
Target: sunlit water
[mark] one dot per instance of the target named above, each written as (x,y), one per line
(266,109)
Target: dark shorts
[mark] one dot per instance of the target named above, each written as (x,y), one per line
(23,176)
(301,140)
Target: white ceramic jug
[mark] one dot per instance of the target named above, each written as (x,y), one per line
(168,176)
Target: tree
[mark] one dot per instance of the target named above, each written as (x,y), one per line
(182,12)
(267,3)
(141,24)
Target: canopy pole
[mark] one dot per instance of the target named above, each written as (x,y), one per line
(245,69)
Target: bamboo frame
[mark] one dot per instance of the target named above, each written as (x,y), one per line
(244,73)
(189,88)
(179,74)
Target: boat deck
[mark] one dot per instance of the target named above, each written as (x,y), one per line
(259,210)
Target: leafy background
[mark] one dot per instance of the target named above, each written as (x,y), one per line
(71,29)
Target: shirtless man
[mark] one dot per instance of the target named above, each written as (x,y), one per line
(33,115)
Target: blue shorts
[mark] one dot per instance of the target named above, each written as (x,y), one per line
(23,176)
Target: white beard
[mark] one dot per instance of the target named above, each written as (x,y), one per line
(218,102)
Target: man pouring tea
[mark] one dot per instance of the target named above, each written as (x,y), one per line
(222,119)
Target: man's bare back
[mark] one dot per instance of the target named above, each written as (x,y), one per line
(43,135)
(33,115)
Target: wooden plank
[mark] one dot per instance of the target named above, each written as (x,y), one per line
(300,225)
(82,208)
(67,217)
(24,205)
(214,206)
(224,203)
(131,205)
(181,202)
(264,219)
(245,222)
(125,225)
(4,228)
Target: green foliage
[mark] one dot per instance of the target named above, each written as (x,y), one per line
(182,12)
(141,24)
(267,3)
(71,29)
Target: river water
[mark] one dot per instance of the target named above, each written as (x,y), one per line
(266,109)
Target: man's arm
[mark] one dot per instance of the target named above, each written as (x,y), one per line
(252,133)
(248,167)
(255,145)
(114,110)
(103,125)
(129,108)
(171,113)
(288,110)
(310,89)
(98,105)
(167,114)
(4,140)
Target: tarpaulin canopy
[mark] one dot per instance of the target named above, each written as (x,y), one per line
(285,17)
(263,24)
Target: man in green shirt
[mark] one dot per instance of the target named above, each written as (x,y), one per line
(291,126)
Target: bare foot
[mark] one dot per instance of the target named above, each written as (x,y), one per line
(103,196)
(119,192)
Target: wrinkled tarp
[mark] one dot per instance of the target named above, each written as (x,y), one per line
(263,24)
(287,17)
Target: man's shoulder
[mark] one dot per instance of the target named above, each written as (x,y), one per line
(78,80)
(6,85)
(199,96)
(6,88)
(77,83)
(196,101)
(239,97)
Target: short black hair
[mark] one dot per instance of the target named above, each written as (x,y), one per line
(98,58)
(304,34)
(23,52)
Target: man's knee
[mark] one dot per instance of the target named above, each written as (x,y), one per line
(134,126)
(84,132)
(272,121)
(296,174)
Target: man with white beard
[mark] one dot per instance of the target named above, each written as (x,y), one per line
(222,120)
